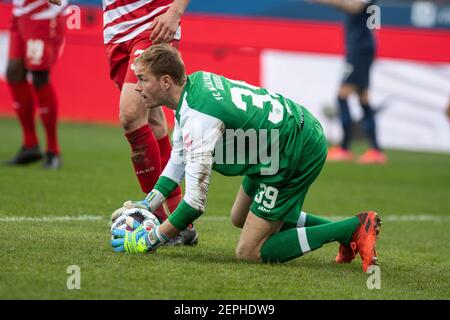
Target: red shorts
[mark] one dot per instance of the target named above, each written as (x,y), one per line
(38,42)
(121,58)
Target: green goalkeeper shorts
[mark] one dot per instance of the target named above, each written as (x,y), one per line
(274,197)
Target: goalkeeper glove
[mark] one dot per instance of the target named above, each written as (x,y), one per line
(143,204)
(137,241)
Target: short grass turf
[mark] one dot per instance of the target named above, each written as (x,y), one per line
(97,177)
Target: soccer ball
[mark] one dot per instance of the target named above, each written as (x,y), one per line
(126,218)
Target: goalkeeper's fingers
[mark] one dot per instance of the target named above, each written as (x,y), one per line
(118,244)
(119,249)
(135,204)
(118,233)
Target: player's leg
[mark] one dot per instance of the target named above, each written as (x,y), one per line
(144,146)
(242,202)
(299,218)
(286,245)
(158,123)
(261,241)
(359,232)
(294,242)
(157,120)
(254,234)
(44,42)
(240,208)
(22,97)
(342,152)
(21,93)
(48,111)
(374,154)
(368,118)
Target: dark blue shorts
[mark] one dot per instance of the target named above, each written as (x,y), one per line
(357,70)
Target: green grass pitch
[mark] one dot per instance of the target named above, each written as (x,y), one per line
(411,194)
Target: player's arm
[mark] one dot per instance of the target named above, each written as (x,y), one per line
(200,139)
(165,26)
(349,6)
(200,136)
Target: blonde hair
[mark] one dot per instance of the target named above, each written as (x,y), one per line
(163,59)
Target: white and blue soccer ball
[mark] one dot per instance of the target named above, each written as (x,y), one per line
(124,219)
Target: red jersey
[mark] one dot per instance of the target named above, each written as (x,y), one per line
(125,19)
(37,9)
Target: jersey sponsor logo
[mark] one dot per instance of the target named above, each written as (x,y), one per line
(263,209)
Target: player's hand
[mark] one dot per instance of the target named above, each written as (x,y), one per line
(142,204)
(164,27)
(57,2)
(130,241)
(139,240)
(131,204)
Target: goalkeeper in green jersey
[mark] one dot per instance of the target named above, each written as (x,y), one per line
(238,129)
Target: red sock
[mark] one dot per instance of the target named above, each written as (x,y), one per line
(23,104)
(174,199)
(165,148)
(161,214)
(48,110)
(145,157)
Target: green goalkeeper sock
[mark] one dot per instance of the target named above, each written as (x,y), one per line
(302,219)
(295,242)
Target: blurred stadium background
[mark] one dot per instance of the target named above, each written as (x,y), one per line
(290,46)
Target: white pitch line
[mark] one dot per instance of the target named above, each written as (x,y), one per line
(385,217)
(49,218)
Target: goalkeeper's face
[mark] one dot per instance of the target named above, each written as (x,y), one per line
(153,91)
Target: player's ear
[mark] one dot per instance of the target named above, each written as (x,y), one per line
(166,81)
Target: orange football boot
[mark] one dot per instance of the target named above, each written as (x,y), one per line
(365,237)
(372,156)
(346,253)
(338,153)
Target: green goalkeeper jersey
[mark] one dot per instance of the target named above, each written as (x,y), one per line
(235,129)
